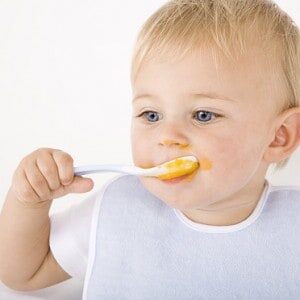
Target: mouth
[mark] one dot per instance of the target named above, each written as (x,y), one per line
(183,178)
(178,169)
(169,159)
(174,180)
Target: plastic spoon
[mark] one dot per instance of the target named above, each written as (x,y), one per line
(168,170)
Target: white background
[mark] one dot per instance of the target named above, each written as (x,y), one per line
(64,83)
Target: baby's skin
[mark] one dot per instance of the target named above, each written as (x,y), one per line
(26,262)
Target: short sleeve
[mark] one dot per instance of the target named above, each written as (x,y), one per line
(69,236)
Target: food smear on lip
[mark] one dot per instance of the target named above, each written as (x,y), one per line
(181,166)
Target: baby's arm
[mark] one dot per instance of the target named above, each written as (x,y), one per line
(26,262)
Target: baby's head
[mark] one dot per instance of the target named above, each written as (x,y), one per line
(217,79)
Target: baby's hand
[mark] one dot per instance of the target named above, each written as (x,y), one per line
(47,174)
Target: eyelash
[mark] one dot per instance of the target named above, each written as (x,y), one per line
(206,111)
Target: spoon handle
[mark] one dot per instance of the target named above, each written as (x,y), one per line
(90,169)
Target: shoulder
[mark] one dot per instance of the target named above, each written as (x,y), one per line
(286,195)
(70,229)
(286,190)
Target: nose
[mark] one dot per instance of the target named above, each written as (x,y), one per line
(169,142)
(171,135)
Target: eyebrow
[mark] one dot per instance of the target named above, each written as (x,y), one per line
(213,96)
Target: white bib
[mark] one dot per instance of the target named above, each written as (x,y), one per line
(141,249)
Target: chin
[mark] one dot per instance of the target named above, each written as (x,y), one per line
(173,196)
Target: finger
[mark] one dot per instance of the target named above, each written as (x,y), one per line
(38,182)
(80,185)
(23,189)
(48,168)
(64,164)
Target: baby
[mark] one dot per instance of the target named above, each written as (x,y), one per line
(216,79)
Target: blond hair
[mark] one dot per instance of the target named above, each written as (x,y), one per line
(181,26)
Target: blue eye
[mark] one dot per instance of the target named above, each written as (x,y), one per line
(202,116)
(151,116)
(205,116)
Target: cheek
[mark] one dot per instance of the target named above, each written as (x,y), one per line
(139,147)
(236,156)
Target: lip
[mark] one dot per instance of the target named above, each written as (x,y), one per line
(173,158)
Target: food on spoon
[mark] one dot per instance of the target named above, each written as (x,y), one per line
(178,167)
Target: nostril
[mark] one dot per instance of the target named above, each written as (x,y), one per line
(184,146)
(170,142)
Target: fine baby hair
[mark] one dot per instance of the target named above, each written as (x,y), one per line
(229,26)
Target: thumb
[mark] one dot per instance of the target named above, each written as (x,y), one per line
(80,185)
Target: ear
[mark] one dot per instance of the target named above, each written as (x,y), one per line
(286,136)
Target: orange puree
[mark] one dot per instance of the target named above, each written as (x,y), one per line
(204,164)
(180,167)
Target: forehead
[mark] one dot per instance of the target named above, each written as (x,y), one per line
(251,76)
